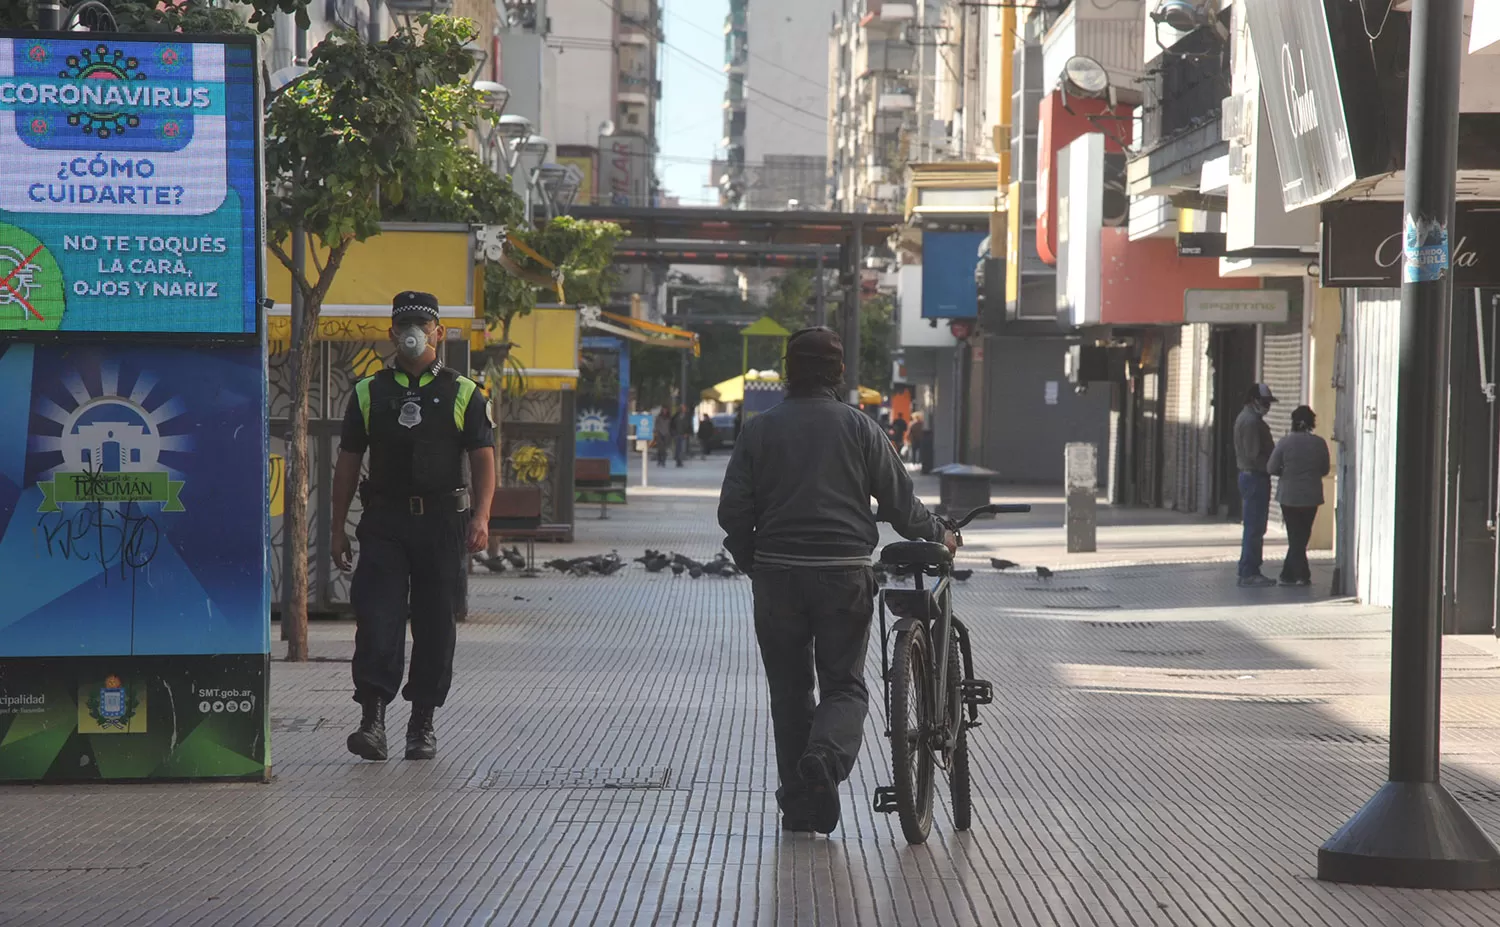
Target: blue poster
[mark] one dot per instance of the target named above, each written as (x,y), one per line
(128,195)
(133,501)
(603,427)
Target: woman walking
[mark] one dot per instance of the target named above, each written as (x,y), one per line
(1301,460)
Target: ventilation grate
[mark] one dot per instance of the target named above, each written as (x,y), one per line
(1126,625)
(297,725)
(622,778)
(1162,653)
(1346,737)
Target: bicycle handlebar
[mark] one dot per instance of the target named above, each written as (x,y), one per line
(995,509)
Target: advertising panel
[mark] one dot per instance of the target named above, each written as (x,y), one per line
(1364,244)
(128,192)
(603,403)
(133,487)
(949,289)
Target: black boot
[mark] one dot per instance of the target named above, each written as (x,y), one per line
(369,740)
(421,742)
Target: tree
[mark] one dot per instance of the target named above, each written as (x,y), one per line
(876,330)
(368,125)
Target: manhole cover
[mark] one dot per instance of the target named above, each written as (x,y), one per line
(1057,588)
(629,777)
(1126,625)
(1162,653)
(1347,737)
(296,725)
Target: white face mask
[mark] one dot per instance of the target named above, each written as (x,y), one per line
(411,342)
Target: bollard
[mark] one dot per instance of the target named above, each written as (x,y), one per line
(1081,483)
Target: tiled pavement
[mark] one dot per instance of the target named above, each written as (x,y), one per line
(1164,749)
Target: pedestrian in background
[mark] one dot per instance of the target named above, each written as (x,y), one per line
(706,434)
(682,432)
(914,435)
(661,433)
(1301,460)
(898,435)
(795,509)
(1252,451)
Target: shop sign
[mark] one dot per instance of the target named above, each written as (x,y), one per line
(1236,307)
(1364,244)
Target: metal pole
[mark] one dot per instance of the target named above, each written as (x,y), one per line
(820,304)
(376,6)
(851,316)
(50,15)
(1413,833)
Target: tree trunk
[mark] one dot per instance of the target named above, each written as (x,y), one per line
(294,615)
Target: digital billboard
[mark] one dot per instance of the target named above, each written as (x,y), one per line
(133,483)
(128,185)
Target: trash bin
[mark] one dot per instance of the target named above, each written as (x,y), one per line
(962,487)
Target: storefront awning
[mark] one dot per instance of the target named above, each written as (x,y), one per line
(652,333)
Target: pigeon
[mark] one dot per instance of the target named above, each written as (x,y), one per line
(649,557)
(656,565)
(696,572)
(962,575)
(678,569)
(561,566)
(493,564)
(611,567)
(999,564)
(515,558)
(1043,573)
(688,562)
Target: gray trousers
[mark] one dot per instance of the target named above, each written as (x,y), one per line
(814,625)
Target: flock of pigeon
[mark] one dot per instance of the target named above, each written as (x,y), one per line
(656,561)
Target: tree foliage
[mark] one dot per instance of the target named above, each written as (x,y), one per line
(186,16)
(582,250)
(368,125)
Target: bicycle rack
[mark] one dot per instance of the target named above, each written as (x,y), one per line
(885,799)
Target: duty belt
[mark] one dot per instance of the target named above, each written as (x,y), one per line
(454,500)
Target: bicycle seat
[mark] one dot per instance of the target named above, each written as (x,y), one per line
(916,553)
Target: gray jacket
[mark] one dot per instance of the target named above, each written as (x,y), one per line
(799,484)
(1252,441)
(1301,460)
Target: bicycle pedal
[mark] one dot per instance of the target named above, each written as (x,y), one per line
(885,799)
(978,692)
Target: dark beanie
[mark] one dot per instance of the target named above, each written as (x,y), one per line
(815,354)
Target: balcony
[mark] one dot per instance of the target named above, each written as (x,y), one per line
(890,56)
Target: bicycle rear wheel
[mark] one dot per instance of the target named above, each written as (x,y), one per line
(958,761)
(911,721)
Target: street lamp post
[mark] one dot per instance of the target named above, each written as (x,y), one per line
(50,15)
(1413,833)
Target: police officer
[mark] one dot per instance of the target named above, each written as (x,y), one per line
(418,420)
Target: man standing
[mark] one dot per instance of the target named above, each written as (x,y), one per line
(682,432)
(1252,451)
(915,436)
(795,509)
(418,420)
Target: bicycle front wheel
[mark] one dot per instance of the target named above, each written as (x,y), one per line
(912,720)
(958,761)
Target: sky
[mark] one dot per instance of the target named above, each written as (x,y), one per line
(692,113)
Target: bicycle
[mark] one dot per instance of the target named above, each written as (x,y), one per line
(929,680)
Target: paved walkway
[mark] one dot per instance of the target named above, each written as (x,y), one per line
(1165,748)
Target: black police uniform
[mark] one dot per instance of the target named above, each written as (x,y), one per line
(413,535)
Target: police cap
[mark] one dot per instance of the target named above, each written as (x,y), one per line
(414,306)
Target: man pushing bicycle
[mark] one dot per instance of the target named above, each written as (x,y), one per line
(795,509)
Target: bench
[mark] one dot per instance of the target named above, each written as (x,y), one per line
(593,473)
(516,515)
